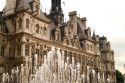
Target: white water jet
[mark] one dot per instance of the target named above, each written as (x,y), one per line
(54,69)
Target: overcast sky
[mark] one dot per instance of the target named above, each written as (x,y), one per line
(106,17)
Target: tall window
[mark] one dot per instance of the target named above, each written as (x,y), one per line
(1,68)
(18,50)
(38,52)
(37,8)
(20,22)
(44,31)
(37,29)
(27,50)
(27,23)
(2,51)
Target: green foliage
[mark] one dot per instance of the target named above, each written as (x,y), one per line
(119,77)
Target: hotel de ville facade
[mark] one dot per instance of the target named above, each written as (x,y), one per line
(25,30)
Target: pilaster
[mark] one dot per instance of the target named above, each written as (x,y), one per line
(23,49)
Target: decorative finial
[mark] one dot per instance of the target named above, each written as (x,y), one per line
(45,10)
(79,14)
(64,3)
(65,19)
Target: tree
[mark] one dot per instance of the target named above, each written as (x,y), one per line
(119,77)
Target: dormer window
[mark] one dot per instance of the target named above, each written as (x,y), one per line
(37,29)
(27,23)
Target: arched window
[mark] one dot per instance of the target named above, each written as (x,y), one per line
(37,8)
(27,23)
(18,50)
(2,51)
(20,22)
(37,29)
(44,31)
(27,50)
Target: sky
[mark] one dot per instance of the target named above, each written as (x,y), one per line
(106,17)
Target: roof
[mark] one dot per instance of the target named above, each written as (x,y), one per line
(23,4)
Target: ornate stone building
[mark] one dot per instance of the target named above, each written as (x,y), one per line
(26,30)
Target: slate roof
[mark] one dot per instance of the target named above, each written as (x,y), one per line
(23,4)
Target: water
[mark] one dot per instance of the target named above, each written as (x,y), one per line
(54,69)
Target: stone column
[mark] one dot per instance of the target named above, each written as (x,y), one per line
(23,49)
(30,53)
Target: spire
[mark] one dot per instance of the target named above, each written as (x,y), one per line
(94,36)
(56,12)
(56,6)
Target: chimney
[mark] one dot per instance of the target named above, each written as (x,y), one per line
(73,15)
(84,19)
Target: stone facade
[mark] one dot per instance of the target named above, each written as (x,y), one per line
(25,30)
